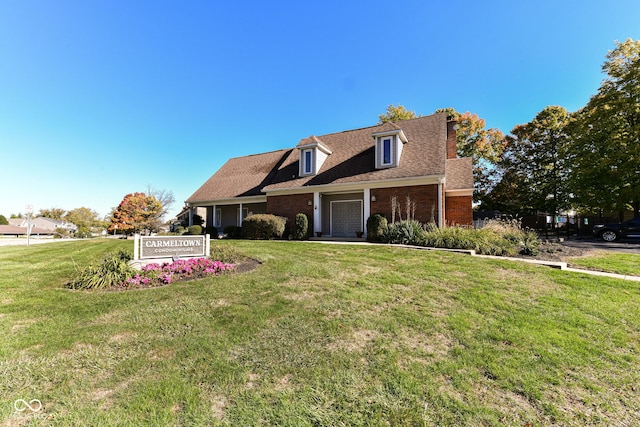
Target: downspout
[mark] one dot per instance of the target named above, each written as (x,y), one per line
(367,209)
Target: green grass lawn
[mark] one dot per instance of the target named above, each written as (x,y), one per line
(322,335)
(612,262)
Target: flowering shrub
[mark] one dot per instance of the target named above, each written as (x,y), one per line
(155,274)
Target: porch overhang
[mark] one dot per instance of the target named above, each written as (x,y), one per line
(231,201)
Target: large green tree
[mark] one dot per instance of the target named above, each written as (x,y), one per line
(136,213)
(53,213)
(86,220)
(605,149)
(395,114)
(534,164)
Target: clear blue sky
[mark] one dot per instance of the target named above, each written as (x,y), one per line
(103,98)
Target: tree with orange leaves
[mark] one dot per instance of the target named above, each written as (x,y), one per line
(484,146)
(136,213)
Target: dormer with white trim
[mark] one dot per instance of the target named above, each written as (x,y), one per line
(389,143)
(313,153)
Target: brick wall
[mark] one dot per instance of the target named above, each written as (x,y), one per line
(289,206)
(458,210)
(425,198)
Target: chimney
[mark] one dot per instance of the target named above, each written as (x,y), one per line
(451,138)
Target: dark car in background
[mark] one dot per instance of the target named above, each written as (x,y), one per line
(613,232)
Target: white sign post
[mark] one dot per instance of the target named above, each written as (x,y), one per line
(29,210)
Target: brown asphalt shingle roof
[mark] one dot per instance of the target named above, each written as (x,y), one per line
(352,160)
(240,177)
(459,174)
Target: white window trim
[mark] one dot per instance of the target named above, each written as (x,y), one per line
(218,218)
(307,162)
(383,140)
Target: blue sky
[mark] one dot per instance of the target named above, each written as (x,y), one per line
(103,98)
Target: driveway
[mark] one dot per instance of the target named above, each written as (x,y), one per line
(22,241)
(630,246)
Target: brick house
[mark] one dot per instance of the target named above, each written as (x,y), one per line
(340,179)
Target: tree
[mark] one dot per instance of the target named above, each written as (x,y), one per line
(165,197)
(53,213)
(534,163)
(137,213)
(396,114)
(85,219)
(4,220)
(605,148)
(484,146)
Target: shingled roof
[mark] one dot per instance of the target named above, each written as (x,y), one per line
(459,175)
(240,177)
(352,160)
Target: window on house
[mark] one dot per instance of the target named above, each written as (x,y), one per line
(239,219)
(386,151)
(218,219)
(307,159)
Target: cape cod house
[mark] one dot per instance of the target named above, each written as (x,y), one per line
(340,179)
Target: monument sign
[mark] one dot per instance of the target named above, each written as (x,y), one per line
(147,247)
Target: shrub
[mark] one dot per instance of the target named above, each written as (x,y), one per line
(407,232)
(523,241)
(232,232)
(263,227)
(211,231)
(376,227)
(496,238)
(226,253)
(181,230)
(302,226)
(112,271)
(194,230)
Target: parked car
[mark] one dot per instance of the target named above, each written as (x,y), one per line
(613,232)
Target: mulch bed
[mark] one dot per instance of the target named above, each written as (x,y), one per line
(246,264)
(549,251)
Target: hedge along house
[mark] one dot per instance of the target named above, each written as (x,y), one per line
(340,179)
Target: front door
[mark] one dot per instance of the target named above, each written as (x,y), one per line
(346,218)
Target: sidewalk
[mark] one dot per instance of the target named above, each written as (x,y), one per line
(22,241)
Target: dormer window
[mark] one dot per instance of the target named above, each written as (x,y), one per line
(307,162)
(389,145)
(313,153)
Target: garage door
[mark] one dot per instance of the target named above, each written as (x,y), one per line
(346,218)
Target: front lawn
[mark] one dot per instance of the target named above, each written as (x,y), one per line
(319,335)
(611,262)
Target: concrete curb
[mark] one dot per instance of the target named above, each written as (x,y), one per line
(605,274)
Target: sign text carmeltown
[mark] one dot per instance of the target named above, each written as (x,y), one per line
(171,246)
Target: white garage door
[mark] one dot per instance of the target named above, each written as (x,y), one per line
(346,218)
